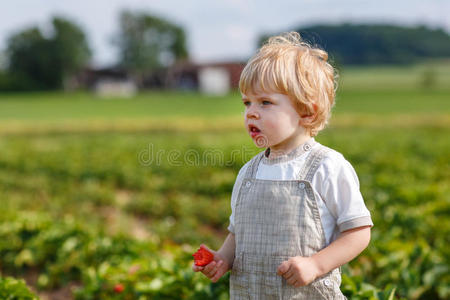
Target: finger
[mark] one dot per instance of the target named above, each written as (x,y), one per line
(219,271)
(219,264)
(292,280)
(282,268)
(213,273)
(289,274)
(214,268)
(296,284)
(209,269)
(217,276)
(196,268)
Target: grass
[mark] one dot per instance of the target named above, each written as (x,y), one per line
(86,106)
(433,74)
(167,106)
(47,113)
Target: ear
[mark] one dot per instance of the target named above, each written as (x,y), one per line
(308,118)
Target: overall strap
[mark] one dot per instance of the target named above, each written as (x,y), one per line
(312,162)
(253,166)
(250,173)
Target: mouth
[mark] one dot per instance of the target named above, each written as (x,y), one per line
(254,131)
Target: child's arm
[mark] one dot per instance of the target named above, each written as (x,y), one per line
(223,260)
(228,248)
(300,271)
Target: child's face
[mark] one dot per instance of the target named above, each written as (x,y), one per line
(272,121)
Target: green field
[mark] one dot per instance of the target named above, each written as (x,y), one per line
(98,192)
(169,105)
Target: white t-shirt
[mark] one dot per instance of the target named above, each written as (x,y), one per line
(335,184)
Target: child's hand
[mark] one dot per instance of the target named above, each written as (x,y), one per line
(298,271)
(215,269)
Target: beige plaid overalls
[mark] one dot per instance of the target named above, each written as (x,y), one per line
(275,220)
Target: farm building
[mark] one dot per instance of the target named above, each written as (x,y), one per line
(210,78)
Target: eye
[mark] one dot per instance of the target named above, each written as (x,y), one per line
(266,102)
(246,103)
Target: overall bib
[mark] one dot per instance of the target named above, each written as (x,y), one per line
(276,220)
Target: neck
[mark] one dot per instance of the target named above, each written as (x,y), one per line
(288,146)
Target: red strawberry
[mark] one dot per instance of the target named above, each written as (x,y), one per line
(118,288)
(202,257)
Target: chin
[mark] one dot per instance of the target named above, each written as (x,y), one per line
(261,142)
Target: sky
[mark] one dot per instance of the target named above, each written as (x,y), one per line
(217,30)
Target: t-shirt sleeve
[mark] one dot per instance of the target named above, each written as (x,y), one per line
(234,194)
(339,188)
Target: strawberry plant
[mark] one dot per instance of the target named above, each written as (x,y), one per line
(15,289)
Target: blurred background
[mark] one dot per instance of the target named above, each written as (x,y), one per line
(121,135)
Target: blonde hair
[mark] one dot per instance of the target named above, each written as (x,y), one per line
(290,66)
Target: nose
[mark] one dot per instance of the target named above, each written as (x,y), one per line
(251,113)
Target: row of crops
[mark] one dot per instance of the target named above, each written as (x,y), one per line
(64,252)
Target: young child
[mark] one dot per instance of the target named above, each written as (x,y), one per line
(297,212)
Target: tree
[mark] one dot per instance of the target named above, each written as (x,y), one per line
(376,43)
(37,62)
(70,47)
(30,61)
(147,42)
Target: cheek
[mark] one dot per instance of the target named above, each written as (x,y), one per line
(284,123)
(280,129)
